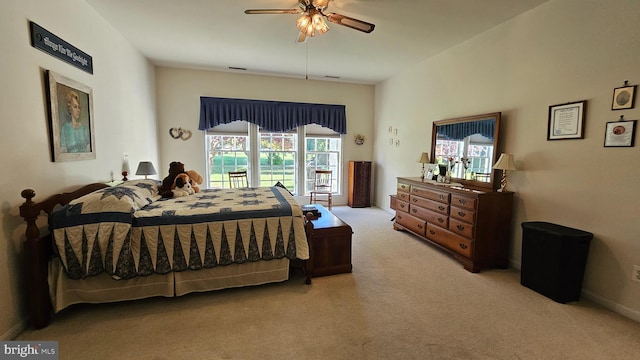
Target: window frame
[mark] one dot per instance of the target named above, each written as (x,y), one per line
(252,131)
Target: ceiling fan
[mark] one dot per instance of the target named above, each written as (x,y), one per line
(312,19)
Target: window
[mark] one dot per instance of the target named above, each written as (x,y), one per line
(278,158)
(225,153)
(322,153)
(270,157)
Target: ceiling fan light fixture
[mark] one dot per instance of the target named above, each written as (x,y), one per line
(312,21)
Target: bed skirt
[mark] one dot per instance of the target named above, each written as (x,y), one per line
(102,288)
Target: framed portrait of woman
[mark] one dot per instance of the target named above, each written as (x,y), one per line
(71,127)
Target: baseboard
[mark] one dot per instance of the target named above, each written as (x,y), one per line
(14,331)
(606,303)
(617,308)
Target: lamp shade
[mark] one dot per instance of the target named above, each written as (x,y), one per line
(145,168)
(424,158)
(505,162)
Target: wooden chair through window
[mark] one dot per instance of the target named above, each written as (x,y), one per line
(238,179)
(322,186)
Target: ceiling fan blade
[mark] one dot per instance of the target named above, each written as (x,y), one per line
(350,22)
(273,11)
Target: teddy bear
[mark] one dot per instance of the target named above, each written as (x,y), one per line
(195,178)
(182,186)
(175,168)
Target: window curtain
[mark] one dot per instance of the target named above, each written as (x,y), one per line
(274,116)
(460,131)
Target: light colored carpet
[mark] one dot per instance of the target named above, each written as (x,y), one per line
(404,300)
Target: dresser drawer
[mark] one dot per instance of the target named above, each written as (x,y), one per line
(430,216)
(466,215)
(412,223)
(463,201)
(403,187)
(403,196)
(430,204)
(451,241)
(402,206)
(440,196)
(461,228)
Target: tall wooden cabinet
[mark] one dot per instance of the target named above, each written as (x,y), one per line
(471,225)
(359,183)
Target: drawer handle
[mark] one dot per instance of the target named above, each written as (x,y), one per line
(399,217)
(432,232)
(441,208)
(414,211)
(462,201)
(440,220)
(415,200)
(463,246)
(460,227)
(402,206)
(403,186)
(420,226)
(462,213)
(442,197)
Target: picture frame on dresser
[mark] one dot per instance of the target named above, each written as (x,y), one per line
(71,120)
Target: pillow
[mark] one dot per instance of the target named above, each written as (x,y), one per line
(280,185)
(126,197)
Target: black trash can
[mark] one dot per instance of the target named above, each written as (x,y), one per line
(553,259)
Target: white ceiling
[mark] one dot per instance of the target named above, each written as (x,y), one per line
(217,34)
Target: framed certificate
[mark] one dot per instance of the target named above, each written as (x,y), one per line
(620,133)
(566,121)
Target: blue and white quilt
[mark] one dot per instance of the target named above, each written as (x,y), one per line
(129,230)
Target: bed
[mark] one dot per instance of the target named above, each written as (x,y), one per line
(126,242)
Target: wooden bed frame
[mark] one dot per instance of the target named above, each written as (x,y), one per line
(39,250)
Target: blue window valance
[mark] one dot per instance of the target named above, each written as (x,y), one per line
(459,131)
(275,116)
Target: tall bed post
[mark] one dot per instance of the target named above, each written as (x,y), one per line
(39,250)
(37,253)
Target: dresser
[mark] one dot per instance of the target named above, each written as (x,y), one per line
(471,225)
(359,184)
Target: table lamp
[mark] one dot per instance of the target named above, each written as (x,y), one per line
(423,159)
(145,168)
(504,163)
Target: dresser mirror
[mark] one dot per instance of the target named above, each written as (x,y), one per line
(468,147)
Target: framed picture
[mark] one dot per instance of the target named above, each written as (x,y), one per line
(620,133)
(624,97)
(430,171)
(71,119)
(566,121)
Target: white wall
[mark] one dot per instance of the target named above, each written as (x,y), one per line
(124,111)
(179,92)
(562,51)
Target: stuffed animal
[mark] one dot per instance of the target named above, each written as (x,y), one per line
(175,168)
(182,186)
(195,178)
